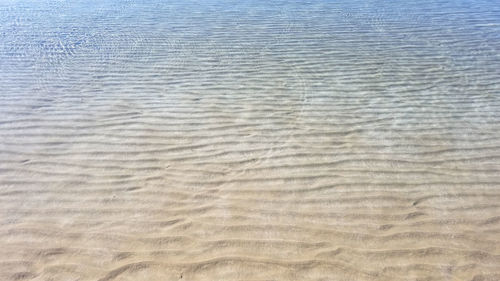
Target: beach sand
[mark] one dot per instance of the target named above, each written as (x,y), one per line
(276,148)
(132,189)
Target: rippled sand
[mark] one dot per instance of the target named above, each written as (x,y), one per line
(242,140)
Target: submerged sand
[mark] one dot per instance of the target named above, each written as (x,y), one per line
(275,148)
(135,189)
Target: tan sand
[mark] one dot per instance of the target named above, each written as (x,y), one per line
(190,187)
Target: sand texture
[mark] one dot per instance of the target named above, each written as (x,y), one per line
(249,141)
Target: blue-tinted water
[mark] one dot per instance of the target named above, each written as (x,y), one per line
(237,140)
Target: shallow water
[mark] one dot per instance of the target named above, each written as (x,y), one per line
(231,140)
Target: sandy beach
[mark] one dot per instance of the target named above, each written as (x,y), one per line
(283,147)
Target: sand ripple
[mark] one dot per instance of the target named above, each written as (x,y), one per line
(146,140)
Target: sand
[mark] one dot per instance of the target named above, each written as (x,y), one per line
(211,190)
(296,152)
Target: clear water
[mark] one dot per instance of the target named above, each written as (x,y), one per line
(364,117)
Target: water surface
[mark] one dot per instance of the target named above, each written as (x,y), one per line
(237,140)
